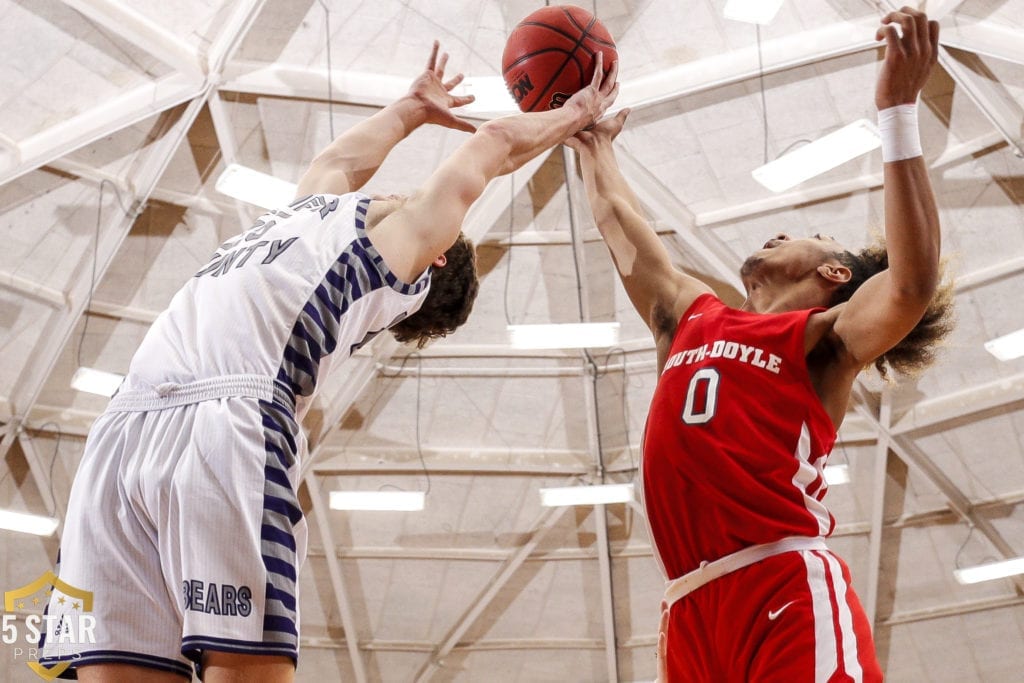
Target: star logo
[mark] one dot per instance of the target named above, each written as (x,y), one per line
(46,585)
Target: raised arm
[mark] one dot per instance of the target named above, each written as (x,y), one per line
(890,304)
(653,284)
(430,221)
(354,156)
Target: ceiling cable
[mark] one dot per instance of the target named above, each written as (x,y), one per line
(95,258)
(508,257)
(330,71)
(576,247)
(764,100)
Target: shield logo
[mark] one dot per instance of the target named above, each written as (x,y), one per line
(38,593)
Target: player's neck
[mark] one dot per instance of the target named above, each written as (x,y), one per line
(770,297)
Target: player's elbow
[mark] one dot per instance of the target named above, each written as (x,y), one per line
(495,141)
(918,291)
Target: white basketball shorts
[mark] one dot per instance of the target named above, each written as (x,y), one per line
(184,523)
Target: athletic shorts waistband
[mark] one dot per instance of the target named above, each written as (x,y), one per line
(172,394)
(709,571)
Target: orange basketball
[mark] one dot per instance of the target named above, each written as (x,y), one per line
(551,54)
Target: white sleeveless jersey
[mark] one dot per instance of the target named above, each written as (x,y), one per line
(300,290)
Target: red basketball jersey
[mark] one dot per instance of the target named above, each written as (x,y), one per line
(736,438)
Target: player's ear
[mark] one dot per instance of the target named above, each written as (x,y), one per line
(441,261)
(836,273)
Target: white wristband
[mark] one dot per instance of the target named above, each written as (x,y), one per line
(898,127)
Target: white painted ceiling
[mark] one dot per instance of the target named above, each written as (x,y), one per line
(117,117)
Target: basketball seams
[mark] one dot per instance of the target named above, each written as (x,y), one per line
(586,30)
(569,55)
(564,26)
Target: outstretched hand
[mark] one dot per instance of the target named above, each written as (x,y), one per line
(908,58)
(595,99)
(434,93)
(601,132)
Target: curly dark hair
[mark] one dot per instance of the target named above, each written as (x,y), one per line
(453,289)
(917,350)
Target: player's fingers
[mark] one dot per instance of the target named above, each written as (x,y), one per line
(613,74)
(622,116)
(433,55)
(453,81)
(933,38)
(440,66)
(598,71)
(611,96)
(461,100)
(462,124)
(908,41)
(892,40)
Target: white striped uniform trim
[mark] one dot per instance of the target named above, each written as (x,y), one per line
(823,585)
(806,474)
(850,654)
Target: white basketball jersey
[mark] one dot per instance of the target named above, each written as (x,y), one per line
(300,290)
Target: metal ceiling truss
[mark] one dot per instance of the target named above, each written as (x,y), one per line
(198,77)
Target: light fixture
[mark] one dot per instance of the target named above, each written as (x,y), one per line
(1007,347)
(96,381)
(564,336)
(490,95)
(377,500)
(752,11)
(990,571)
(837,474)
(27,524)
(824,154)
(600,494)
(256,188)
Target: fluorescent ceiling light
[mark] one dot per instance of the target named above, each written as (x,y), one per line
(28,524)
(490,93)
(96,381)
(837,474)
(824,154)
(1007,347)
(254,187)
(752,11)
(564,336)
(992,570)
(377,500)
(586,495)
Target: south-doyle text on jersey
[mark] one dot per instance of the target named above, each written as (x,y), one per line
(730,350)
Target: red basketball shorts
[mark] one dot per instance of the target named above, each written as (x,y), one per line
(792,617)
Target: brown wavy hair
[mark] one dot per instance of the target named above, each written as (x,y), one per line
(918,349)
(453,289)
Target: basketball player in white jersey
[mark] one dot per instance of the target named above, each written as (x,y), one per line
(748,402)
(183,519)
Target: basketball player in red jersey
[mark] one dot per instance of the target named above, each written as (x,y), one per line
(749,400)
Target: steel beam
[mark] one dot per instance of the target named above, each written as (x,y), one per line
(341,599)
(987,39)
(795,50)
(878,508)
(35,290)
(870,181)
(142,32)
(77,131)
(48,350)
(114,114)
(547,519)
(910,453)
(992,99)
(377,90)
